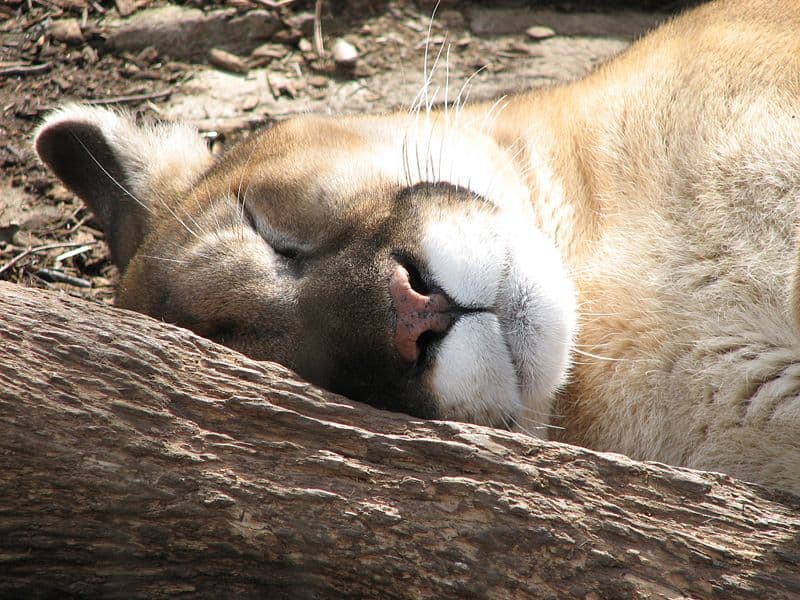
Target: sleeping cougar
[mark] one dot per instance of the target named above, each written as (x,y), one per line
(612,263)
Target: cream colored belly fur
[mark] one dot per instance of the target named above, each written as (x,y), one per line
(666,185)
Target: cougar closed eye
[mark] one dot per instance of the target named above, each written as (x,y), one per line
(277,242)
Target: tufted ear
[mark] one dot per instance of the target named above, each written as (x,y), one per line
(121,170)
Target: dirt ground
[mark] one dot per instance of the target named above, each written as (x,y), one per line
(233,66)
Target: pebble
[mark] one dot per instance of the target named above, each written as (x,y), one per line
(539,32)
(226,60)
(318,81)
(304,45)
(249,102)
(344,53)
(67,31)
(270,51)
(125,7)
(148,55)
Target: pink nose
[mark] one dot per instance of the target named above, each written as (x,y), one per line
(416,313)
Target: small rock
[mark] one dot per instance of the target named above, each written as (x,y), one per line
(304,45)
(130,70)
(539,32)
(270,51)
(318,81)
(125,7)
(344,53)
(148,55)
(286,36)
(226,61)
(67,31)
(249,102)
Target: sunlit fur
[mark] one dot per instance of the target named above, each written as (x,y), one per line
(651,209)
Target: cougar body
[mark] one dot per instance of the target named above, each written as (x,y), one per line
(611,263)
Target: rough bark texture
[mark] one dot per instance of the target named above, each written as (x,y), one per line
(140,461)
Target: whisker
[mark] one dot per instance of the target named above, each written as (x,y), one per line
(446,108)
(241,200)
(428,76)
(406,166)
(501,102)
(465,88)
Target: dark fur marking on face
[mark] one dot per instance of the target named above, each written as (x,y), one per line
(449,190)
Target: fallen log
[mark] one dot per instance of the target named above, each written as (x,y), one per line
(138,460)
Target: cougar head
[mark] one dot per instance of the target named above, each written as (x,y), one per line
(392,259)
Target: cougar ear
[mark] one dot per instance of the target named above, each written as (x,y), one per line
(121,170)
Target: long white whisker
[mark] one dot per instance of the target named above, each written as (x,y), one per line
(241,200)
(460,102)
(406,166)
(425,75)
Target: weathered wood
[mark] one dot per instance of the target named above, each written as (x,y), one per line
(140,461)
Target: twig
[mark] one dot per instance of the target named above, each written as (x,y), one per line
(132,97)
(25,69)
(71,253)
(318,47)
(37,249)
(52,276)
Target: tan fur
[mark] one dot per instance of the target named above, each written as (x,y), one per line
(680,177)
(668,181)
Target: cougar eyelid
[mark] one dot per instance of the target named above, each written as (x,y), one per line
(287,251)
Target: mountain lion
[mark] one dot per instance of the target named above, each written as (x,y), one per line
(611,263)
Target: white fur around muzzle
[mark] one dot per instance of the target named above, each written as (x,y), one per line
(503,364)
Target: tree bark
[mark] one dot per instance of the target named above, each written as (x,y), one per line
(138,460)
